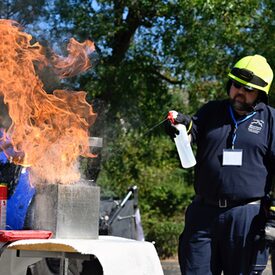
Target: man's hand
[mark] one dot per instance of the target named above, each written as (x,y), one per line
(170,130)
(183,119)
(176,118)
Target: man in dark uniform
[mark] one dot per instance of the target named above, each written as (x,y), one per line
(235,154)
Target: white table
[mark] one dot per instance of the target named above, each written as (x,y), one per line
(117,256)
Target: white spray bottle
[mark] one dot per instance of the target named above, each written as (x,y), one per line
(182,143)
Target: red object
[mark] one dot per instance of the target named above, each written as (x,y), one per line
(3,205)
(15,235)
(3,192)
(171,117)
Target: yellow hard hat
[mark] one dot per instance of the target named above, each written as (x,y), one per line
(254,72)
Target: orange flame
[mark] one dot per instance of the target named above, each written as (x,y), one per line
(48,131)
(76,61)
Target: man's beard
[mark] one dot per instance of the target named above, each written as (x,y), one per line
(241,106)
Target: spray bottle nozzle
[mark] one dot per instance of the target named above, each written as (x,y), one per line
(172,115)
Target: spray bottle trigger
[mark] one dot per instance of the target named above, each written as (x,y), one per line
(172,115)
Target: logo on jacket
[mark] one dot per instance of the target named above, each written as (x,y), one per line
(256,126)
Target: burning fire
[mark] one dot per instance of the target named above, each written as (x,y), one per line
(48,131)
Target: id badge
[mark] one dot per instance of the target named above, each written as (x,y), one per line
(232,157)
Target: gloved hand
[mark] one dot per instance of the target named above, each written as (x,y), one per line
(176,118)
(183,119)
(170,130)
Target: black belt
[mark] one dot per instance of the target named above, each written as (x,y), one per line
(224,203)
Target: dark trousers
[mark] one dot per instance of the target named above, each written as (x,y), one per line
(222,239)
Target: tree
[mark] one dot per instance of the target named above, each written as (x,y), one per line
(23,11)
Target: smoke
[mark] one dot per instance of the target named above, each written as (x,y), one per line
(48,132)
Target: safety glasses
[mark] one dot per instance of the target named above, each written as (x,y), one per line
(246,88)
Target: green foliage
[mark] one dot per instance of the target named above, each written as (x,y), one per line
(133,158)
(150,49)
(24,11)
(165,234)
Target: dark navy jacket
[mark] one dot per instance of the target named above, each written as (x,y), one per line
(212,132)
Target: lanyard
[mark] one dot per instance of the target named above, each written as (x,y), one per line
(236,123)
